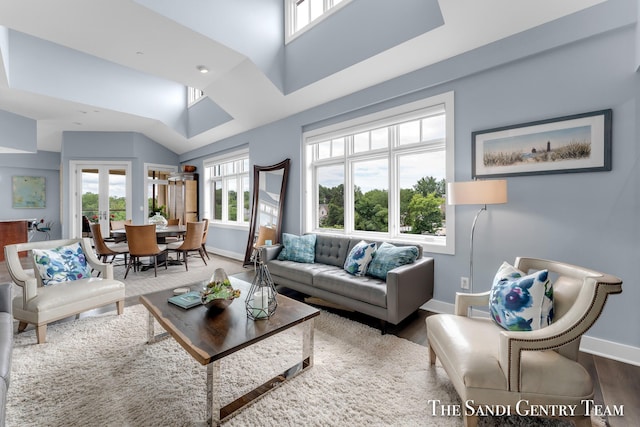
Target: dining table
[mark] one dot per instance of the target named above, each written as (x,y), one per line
(161,232)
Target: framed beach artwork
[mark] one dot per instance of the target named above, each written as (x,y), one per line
(28,192)
(577,143)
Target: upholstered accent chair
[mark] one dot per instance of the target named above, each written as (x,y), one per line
(42,304)
(489,365)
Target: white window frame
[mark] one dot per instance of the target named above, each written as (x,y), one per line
(290,33)
(209,209)
(194,95)
(392,116)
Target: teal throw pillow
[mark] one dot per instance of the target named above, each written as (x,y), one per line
(298,248)
(520,302)
(359,258)
(61,264)
(387,257)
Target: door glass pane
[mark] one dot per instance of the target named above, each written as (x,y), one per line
(330,207)
(90,196)
(371,195)
(117,195)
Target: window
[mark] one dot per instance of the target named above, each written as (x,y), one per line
(383,176)
(227,193)
(304,14)
(193,95)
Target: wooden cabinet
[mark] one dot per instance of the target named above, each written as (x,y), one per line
(183,197)
(13,231)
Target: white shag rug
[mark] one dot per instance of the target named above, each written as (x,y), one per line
(99,371)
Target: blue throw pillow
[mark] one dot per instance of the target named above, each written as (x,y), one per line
(61,264)
(520,302)
(298,248)
(387,257)
(359,258)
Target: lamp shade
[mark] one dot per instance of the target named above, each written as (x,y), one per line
(488,192)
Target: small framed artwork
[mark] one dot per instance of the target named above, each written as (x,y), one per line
(28,192)
(577,143)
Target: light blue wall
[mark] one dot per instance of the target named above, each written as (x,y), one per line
(583,63)
(18,132)
(43,163)
(358,31)
(204,115)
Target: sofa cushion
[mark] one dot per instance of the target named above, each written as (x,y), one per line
(296,271)
(61,264)
(332,250)
(298,248)
(359,258)
(366,289)
(388,257)
(520,302)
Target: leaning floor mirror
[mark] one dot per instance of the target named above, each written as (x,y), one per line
(269,185)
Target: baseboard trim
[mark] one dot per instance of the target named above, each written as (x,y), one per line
(596,346)
(228,254)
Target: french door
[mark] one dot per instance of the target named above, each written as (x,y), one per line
(102,194)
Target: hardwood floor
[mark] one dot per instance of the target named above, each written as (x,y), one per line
(616,383)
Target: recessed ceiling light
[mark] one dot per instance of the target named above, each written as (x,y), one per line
(139,52)
(202,69)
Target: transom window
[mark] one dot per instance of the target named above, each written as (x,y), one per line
(227,189)
(193,95)
(383,176)
(303,14)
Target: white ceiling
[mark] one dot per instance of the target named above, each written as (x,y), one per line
(116,30)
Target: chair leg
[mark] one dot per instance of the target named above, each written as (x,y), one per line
(432,356)
(470,420)
(184,255)
(41,333)
(22,326)
(201,252)
(120,306)
(204,249)
(155,266)
(129,266)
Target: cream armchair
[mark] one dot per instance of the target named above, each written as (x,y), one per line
(490,366)
(40,305)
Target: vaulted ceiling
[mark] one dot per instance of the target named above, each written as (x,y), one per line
(122,65)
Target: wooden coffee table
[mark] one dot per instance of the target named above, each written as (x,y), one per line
(208,337)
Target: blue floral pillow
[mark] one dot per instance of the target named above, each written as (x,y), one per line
(298,248)
(520,302)
(359,258)
(387,257)
(61,264)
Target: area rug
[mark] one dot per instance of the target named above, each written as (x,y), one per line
(142,282)
(99,371)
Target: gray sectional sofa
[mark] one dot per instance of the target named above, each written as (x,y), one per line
(405,289)
(6,345)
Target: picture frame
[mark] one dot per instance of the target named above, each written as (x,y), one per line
(568,144)
(28,192)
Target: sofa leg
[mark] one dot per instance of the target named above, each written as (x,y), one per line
(432,356)
(383,327)
(22,326)
(120,306)
(41,333)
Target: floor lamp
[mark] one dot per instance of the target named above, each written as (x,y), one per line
(485,193)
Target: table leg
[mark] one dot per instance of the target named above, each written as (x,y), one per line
(151,336)
(213,393)
(307,343)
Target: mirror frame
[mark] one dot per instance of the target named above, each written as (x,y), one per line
(284,165)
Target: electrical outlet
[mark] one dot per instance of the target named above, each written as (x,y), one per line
(464,282)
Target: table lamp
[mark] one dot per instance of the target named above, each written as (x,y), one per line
(485,193)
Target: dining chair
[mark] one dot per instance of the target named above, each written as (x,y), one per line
(171,239)
(192,242)
(104,251)
(142,243)
(173,221)
(204,237)
(117,225)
